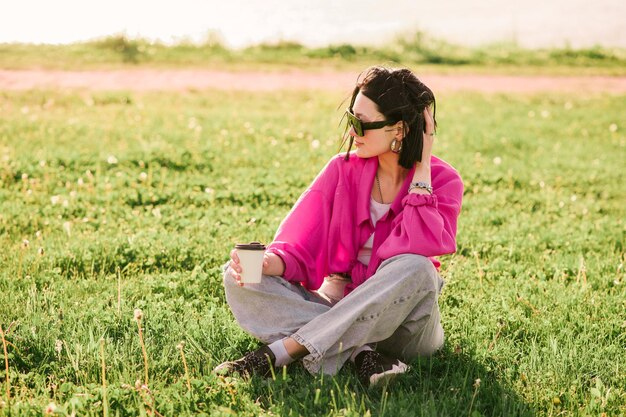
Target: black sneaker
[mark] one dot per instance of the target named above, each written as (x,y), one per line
(258,362)
(375,368)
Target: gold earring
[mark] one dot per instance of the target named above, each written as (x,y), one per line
(395,149)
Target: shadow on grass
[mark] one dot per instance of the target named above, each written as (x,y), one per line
(444,385)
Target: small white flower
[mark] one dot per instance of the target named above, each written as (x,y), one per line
(38,234)
(315,144)
(143,176)
(80,182)
(613,127)
(55,199)
(545,114)
(111,160)
(497,160)
(209,190)
(42,163)
(58,346)
(156,212)
(67,227)
(25,243)
(24,176)
(573,197)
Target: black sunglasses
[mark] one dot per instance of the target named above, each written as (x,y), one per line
(360,127)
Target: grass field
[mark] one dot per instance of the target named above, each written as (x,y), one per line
(420,51)
(133,201)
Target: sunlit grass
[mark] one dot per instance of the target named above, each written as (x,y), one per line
(133,201)
(418,50)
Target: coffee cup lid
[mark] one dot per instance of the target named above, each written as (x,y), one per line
(250,246)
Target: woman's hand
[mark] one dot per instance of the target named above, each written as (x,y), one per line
(429,136)
(422,169)
(272,265)
(235,267)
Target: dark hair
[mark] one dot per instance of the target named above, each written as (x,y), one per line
(399,96)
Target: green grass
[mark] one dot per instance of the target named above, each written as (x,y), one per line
(153,190)
(419,50)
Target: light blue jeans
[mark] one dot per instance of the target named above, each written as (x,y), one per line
(395,310)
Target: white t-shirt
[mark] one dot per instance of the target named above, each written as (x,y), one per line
(377,210)
(332,288)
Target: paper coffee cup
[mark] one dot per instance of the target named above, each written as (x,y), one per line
(251,261)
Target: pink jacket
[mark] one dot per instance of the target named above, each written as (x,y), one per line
(330,222)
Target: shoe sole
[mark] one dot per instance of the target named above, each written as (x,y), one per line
(387,376)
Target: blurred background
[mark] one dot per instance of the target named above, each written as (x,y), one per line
(239,23)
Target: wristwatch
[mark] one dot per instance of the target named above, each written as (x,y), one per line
(422,185)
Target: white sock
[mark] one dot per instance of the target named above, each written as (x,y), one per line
(359,350)
(282,357)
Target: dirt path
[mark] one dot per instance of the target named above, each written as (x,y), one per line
(182,80)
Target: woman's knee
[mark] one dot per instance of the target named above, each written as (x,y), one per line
(428,345)
(412,352)
(415,268)
(234,293)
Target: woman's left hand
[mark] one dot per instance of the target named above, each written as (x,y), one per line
(422,169)
(429,135)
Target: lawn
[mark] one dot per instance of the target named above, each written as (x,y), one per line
(420,51)
(111,202)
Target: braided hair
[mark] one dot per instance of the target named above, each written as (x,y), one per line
(399,96)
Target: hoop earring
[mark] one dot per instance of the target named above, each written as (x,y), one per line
(395,147)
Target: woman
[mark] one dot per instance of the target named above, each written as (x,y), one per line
(350,274)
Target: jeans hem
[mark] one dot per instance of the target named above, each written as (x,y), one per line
(310,361)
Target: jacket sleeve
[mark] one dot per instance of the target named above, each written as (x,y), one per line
(428,223)
(302,238)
